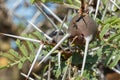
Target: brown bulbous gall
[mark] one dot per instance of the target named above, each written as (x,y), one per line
(82,26)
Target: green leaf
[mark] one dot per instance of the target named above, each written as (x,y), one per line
(30,46)
(104,30)
(14,53)
(39,35)
(18,43)
(31,57)
(58,73)
(22,61)
(116,21)
(76,59)
(110,20)
(23,50)
(33,37)
(20,65)
(115,61)
(9,56)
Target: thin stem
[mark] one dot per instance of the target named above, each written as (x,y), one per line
(21,38)
(54,48)
(88,39)
(35,59)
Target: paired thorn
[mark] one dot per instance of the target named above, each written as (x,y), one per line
(51,21)
(54,15)
(54,48)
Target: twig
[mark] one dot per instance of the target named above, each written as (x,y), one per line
(57,45)
(21,38)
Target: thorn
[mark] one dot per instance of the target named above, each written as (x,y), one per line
(35,59)
(21,38)
(54,48)
(88,39)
